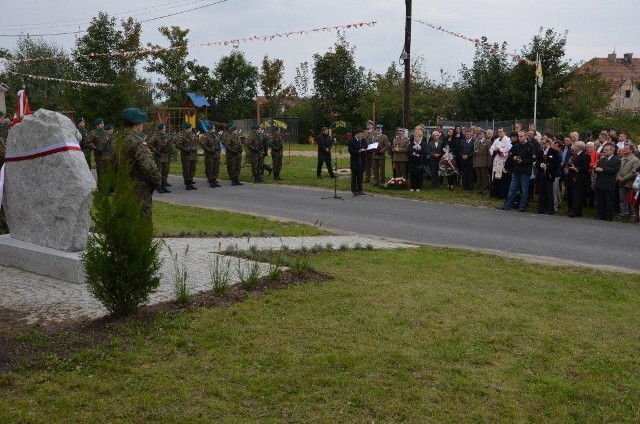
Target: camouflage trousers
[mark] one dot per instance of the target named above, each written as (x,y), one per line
(276,159)
(379,176)
(143,192)
(234,163)
(368,164)
(257,162)
(211,167)
(87,155)
(188,169)
(103,166)
(163,166)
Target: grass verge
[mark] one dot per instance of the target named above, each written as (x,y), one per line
(410,335)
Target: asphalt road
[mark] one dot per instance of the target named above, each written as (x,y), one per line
(555,239)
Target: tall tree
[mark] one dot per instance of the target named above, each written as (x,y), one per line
(237,81)
(103,38)
(550,45)
(46,94)
(301,80)
(171,64)
(482,86)
(271,83)
(338,82)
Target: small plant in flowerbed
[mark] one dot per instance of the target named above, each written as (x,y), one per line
(219,275)
(249,274)
(398,183)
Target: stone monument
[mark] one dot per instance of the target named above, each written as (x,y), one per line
(47,193)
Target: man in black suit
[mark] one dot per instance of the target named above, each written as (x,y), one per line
(466,160)
(606,170)
(357,161)
(324,142)
(577,173)
(547,166)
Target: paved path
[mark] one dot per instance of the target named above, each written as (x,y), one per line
(33,298)
(606,245)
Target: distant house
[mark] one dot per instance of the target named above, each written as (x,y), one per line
(3,105)
(624,77)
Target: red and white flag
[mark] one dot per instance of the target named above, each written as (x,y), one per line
(22,108)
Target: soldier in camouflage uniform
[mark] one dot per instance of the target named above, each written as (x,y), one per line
(379,162)
(83,142)
(277,146)
(160,145)
(101,143)
(187,143)
(143,168)
(369,133)
(3,150)
(211,146)
(265,152)
(256,149)
(233,152)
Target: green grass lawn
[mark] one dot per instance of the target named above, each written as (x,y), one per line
(417,335)
(175,220)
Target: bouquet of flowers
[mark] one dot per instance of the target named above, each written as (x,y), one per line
(447,164)
(398,183)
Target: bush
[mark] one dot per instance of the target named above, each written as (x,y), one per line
(249,275)
(219,275)
(122,259)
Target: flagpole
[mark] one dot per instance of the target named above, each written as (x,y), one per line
(535,96)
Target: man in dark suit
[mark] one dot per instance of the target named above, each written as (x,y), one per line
(357,161)
(606,170)
(547,166)
(466,160)
(324,142)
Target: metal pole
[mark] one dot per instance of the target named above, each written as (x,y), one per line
(407,64)
(535,95)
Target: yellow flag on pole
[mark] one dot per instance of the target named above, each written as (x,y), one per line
(539,77)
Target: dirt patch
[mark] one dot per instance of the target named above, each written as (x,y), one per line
(37,346)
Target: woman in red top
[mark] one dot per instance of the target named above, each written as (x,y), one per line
(593,154)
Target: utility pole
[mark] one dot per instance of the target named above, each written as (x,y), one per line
(406,56)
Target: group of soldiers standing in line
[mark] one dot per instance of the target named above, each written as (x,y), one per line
(257,143)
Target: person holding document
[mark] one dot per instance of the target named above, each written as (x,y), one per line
(357,162)
(381,143)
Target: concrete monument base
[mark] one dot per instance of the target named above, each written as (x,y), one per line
(41,260)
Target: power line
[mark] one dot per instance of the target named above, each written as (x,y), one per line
(142,21)
(74,22)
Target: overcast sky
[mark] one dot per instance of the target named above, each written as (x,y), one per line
(594,26)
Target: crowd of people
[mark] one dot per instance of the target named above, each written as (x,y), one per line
(561,169)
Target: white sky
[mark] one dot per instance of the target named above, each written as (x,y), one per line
(594,26)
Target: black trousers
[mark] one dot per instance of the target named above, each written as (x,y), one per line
(466,169)
(545,196)
(356,179)
(606,204)
(436,180)
(322,160)
(578,194)
(416,180)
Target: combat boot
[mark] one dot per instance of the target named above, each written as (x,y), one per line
(216,183)
(166,183)
(160,189)
(212,184)
(233,182)
(238,181)
(188,186)
(164,187)
(192,186)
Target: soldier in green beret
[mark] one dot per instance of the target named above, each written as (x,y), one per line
(256,149)
(143,168)
(160,145)
(233,152)
(187,143)
(99,141)
(83,142)
(211,146)
(277,146)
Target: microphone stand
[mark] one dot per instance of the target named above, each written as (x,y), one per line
(335,183)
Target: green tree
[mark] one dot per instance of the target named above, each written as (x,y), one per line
(171,64)
(237,81)
(482,87)
(338,82)
(582,100)
(46,94)
(103,38)
(271,83)
(557,70)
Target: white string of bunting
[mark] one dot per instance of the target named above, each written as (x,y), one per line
(234,42)
(477,42)
(67,81)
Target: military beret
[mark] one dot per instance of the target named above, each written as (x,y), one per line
(232,127)
(479,130)
(379,126)
(399,129)
(161,126)
(613,129)
(98,121)
(108,127)
(1,113)
(135,116)
(369,122)
(186,125)
(78,119)
(254,127)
